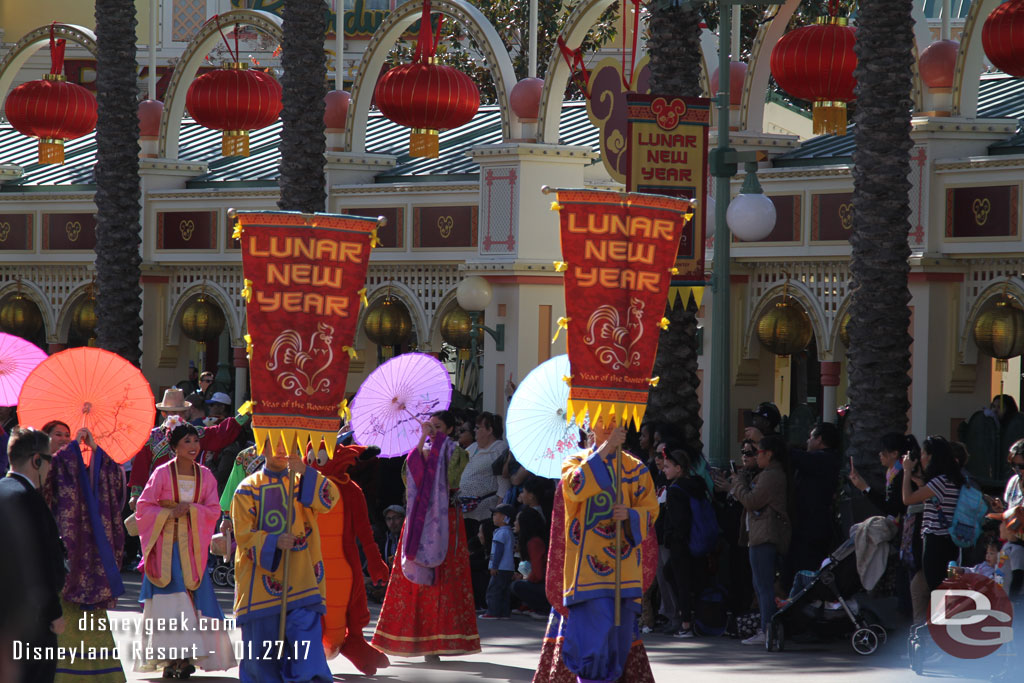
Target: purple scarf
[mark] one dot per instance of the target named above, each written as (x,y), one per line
(425,542)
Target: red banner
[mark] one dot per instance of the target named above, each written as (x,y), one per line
(620,249)
(305,275)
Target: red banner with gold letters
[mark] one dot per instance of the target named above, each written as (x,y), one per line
(305,276)
(619,250)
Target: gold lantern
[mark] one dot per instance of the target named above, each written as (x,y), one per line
(999,331)
(456,329)
(388,322)
(844,332)
(83,320)
(785,328)
(202,321)
(20,317)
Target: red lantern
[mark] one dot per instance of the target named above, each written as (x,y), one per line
(1002,36)
(234,100)
(816,63)
(426,97)
(52,109)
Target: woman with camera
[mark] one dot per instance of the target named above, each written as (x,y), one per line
(941,490)
(767,527)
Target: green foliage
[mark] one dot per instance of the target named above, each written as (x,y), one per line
(511,19)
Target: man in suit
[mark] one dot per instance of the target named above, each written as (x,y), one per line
(42,551)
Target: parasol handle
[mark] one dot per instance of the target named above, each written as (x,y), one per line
(618,538)
(287,554)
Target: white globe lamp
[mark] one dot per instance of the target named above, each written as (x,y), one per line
(473,293)
(751,217)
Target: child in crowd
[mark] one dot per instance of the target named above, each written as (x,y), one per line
(502,565)
(479,560)
(988,567)
(684,571)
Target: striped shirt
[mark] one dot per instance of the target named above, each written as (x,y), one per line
(946,495)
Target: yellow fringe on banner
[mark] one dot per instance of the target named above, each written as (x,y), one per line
(247,291)
(663,323)
(343,411)
(563,324)
(555,206)
(698,296)
(829,117)
(293,440)
(248,344)
(350,351)
(362,297)
(561,266)
(628,413)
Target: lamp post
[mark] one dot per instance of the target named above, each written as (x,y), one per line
(473,295)
(723,162)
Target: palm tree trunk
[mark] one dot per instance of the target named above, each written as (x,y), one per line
(304,84)
(118,235)
(879,354)
(674,47)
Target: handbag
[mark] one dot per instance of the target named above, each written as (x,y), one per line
(131,525)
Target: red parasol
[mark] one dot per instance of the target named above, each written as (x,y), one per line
(18,357)
(92,388)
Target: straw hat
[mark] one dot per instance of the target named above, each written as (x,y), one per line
(174,401)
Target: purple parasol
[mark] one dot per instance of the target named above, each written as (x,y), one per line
(396,398)
(18,358)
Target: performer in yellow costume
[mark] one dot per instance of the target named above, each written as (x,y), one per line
(258,512)
(594,648)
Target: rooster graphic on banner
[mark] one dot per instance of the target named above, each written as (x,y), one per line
(614,339)
(301,365)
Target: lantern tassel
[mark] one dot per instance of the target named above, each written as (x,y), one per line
(51,151)
(829,118)
(424,142)
(234,143)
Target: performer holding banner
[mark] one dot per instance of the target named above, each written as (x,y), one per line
(304,280)
(623,247)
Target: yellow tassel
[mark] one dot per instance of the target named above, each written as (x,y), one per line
(236,234)
(563,324)
(248,344)
(362,296)
(374,240)
(663,323)
(561,266)
(351,352)
(829,117)
(246,408)
(654,381)
(343,410)
(674,270)
(555,206)
(567,379)
(247,291)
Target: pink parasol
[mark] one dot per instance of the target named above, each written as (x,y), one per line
(18,358)
(396,398)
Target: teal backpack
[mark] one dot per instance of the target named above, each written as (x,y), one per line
(968,516)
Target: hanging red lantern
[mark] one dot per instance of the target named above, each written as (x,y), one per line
(1002,36)
(234,100)
(816,63)
(426,97)
(52,109)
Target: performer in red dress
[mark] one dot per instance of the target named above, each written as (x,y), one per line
(428,609)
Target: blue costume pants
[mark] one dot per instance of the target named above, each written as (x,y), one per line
(594,648)
(301,659)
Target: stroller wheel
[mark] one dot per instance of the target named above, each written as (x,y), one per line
(220,575)
(864,641)
(231,579)
(880,632)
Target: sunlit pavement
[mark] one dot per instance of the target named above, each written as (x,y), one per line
(511,649)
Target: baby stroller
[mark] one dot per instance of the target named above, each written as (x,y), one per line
(824,606)
(222,571)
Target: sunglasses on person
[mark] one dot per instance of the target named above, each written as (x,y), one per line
(748,454)
(1019,466)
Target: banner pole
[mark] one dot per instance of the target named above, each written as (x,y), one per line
(287,554)
(618,538)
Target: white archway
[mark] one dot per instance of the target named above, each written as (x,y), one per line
(387,34)
(187,68)
(31,42)
(233,325)
(807,299)
(33,293)
(970,60)
(407,297)
(1013,287)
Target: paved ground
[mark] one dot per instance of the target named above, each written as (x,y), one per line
(511,649)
